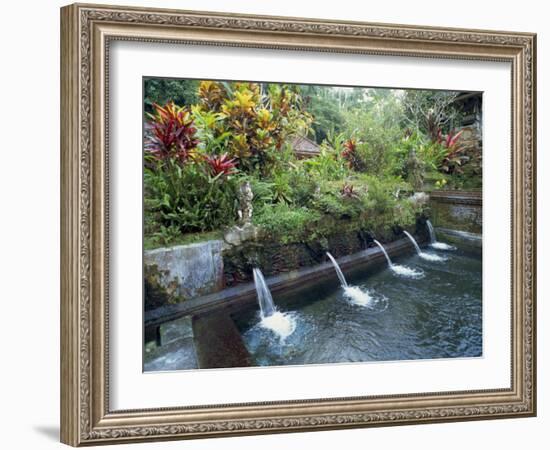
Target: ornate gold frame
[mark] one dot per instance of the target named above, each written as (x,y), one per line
(86,31)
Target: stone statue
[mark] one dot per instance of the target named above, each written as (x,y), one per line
(415,171)
(245,203)
(245,230)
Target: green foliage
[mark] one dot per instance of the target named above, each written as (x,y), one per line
(334,201)
(186,189)
(376,147)
(377,132)
(285,223)
(453,165)
(325,109)
(164,90)
(433,154)
(294,186)
(304,187)
(430,111)
(362,203)
(187,198)
(251,122)
(212,139)
(328,165)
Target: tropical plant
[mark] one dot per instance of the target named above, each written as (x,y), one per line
(328,165)
(376,132)
(347,191)
(455,152)
(429,111)
(250,121)
(304,187)
(189,198)
(433,155)
(353,156)
(221,165)
(171,133)
(209,124)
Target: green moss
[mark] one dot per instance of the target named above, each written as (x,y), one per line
(155,293)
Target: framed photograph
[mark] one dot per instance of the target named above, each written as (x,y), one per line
(280,224)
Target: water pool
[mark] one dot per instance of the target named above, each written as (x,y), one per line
(435,315)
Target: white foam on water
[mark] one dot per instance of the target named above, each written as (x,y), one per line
(358,296)
(434,242)
(282,324)
(365,298)
(432,257)
(398,269)
(442,246)
(407,272)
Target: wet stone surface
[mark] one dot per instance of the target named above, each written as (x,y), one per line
(176,329)
(177,355)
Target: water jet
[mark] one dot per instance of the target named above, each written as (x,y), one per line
(434,243)
(280,323)
(398,269)
(427,256)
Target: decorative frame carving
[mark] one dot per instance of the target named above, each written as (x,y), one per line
(86,31)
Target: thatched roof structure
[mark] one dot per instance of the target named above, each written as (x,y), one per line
(304,147)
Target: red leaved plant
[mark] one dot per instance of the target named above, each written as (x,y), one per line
(348,192)
(171,132)
(455,151)
(349,150)
(221,164)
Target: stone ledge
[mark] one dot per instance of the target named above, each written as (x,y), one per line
(462,197)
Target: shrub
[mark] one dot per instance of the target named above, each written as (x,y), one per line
(284,223)
(162,90)
(334,201)
(455,152)
(248,123)
(304,187)
(186,190)
(376,131)
(189,197)
(170,133)
(328,165)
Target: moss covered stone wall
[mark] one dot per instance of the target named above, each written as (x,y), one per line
(458,210)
